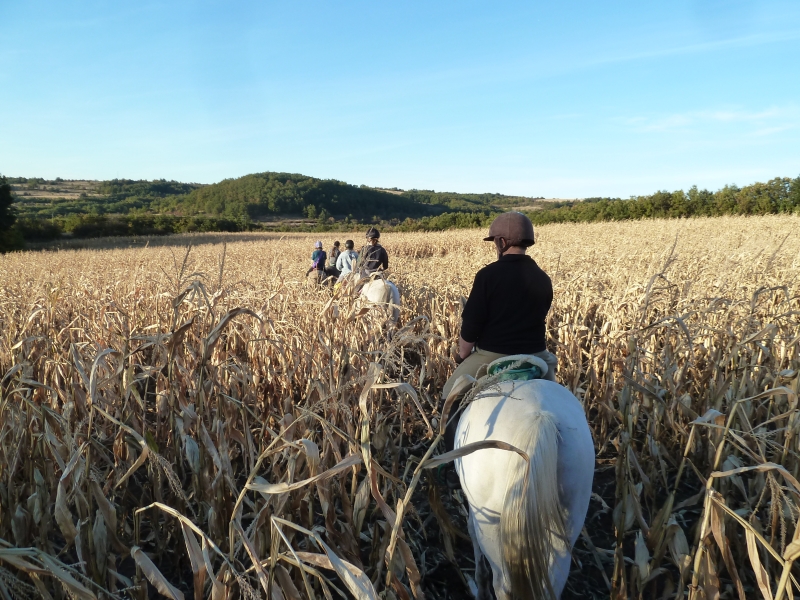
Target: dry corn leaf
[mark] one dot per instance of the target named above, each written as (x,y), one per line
(762,577)
(353,577)
(287,585)
(62,513)
(641,558)
(283,487)
(469,449)
(154,576)
(195,559)
(75,588)
(100,539)
(718,531)
(16,557)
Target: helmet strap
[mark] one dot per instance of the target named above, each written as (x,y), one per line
(502,248)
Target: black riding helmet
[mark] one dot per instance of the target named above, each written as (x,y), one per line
(373,233)
(349,244)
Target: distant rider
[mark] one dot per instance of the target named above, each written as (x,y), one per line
(317,269)
(507,307)
(347,260)
(373,255)
(331,269)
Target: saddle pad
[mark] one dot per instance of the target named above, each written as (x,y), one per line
(517,367)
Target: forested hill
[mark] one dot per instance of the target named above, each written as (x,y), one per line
(274,194)
(255,197)
(47,209)
(279,194)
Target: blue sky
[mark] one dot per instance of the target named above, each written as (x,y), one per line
(556,99)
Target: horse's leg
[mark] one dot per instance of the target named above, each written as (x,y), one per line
(483,571)
(485,534)
(576,462)
(483,478)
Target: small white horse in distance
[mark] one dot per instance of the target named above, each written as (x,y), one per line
(524,516)
(384,293)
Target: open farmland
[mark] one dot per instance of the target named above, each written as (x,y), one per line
(204,421)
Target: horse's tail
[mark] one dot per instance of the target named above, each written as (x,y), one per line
(532,523)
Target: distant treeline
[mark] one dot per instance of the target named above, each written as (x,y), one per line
(468,202)
(89,226)
(114,197)
(779,195)
(92,226)
(289,202)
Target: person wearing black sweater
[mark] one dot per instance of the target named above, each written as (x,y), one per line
(373,256)
(507,307)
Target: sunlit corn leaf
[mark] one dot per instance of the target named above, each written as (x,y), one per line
(154,576)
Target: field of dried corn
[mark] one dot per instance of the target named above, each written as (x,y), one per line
(196,422)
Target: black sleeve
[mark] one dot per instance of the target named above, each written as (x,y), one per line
(549,294)
(475,312)
(385,259)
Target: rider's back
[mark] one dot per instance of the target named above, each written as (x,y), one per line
(508,305)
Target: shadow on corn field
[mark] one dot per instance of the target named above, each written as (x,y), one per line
(191,438)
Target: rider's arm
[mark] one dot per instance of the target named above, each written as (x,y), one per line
(475,313)
(464,348)
(385,259)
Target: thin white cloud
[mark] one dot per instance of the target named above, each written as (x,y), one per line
(754,122)
(767,131)
(770,37)
(533,68)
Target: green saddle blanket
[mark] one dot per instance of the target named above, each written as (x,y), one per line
(519,367)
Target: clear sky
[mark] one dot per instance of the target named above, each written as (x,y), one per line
(554,99)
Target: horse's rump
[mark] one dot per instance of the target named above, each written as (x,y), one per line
(385,293)
(526,519)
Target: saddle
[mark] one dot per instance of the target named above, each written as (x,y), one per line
(516,367)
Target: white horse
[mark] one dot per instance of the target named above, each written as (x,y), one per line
(524,517)
(384,293)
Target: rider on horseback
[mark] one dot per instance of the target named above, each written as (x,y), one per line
(316,271)
(524,514)
(507,307)
(331,270)
(347,260)
(373,255)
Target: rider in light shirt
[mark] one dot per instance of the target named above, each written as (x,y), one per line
(346,260)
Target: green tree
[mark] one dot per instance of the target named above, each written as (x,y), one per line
(10,237)
(7,216)
(793,200)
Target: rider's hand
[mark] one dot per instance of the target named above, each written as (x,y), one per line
(458,359)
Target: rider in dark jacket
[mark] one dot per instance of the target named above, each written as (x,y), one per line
(331,269)
(507,307)
(373,256)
